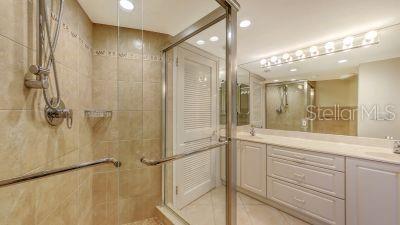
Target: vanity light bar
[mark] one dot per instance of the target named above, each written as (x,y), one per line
(331,47)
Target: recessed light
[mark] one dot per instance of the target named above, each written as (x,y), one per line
(214,38)
(293,70)
(276,80)
(126,5)
(200,42)
(342,61)
(293,79)
(245,23)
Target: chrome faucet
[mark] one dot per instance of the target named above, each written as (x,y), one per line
(252,130)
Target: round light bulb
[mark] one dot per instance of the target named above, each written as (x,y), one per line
(285,56)
(263,62)
(274,59)
(300,54)
(314,51)
(348,42)
(126,5)
(330,47)
(370,37)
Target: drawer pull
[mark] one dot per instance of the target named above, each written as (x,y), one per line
(298,176)
(299,200)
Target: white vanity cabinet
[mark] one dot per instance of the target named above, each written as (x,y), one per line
(324,188)
(309,182)
(372,193)
(253,167)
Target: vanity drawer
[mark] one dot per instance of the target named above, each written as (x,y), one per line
(325,208)
(328,161)
(318,179)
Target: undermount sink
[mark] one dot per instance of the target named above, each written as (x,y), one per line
(387,155)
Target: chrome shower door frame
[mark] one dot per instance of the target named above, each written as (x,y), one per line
(227,11)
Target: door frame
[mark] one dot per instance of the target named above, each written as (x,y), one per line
(228,10)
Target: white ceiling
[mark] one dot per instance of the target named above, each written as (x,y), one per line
(277,26)
(163,16)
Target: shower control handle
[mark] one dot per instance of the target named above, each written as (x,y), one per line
(56,116)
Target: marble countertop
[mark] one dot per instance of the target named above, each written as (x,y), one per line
(350,150)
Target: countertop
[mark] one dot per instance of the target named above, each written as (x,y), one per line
(349,150)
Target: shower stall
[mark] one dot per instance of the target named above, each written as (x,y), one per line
(89,131)
(288,105)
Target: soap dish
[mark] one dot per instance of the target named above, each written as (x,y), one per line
(98,114)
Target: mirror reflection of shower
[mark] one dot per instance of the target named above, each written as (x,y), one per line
(283,94)
(55,110)
(286,105)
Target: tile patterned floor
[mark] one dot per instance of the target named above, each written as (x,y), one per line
(210,210)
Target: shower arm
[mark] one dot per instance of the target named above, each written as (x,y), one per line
(55,110)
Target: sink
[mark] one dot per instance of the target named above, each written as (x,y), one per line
(385,155)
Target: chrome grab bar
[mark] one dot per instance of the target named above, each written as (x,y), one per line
(149,162)
(47,173)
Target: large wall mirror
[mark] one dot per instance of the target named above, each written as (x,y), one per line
(346,86)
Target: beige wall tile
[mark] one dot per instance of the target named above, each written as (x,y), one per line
(104,94)
(140,182)
(130,125)
(17,21)
(105,37)
(130,95)
(152,96)
(65,214)
(130,69)
(14,64)
(17,204)
(152,71)
(104,68)
(134,209)
(152,124)
(127,86)
(129,153)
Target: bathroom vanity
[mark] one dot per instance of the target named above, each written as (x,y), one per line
(322,182)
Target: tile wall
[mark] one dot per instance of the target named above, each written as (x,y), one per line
(99,69)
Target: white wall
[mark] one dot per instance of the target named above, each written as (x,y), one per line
(379,83)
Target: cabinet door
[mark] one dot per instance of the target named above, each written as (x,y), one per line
(372,193)
(253,167)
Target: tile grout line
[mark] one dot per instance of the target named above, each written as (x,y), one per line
(246,210)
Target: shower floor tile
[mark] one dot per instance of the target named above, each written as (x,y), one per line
(210,210)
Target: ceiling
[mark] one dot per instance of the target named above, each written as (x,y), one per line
(163,16)
(277,26)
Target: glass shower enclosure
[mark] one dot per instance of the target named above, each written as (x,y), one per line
(288,105)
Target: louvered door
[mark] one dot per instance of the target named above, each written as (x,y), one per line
(196,122)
